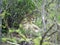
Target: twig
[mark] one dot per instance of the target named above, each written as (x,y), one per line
(45,34)
(12,43)
(52,33)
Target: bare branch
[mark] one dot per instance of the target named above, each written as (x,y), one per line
(45,34)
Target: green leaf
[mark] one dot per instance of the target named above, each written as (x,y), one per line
(4,39)
(18,31)
(11,30)
(37,40)
(46,43)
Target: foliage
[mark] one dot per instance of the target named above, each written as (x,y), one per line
(14,13)
(22,38)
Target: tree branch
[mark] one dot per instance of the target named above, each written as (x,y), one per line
(45,34)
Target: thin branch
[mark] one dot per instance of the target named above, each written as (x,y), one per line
(12,43)
(52,33)
(45,34)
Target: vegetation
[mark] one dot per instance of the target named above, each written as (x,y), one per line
(30,22)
